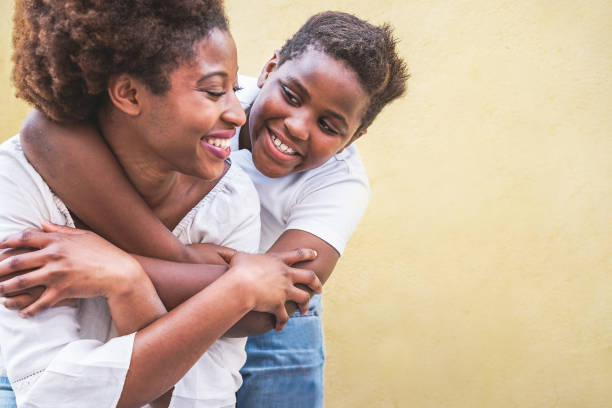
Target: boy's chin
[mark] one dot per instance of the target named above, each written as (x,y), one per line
(270,169)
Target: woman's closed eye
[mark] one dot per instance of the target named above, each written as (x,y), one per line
(218,94)
(215,94)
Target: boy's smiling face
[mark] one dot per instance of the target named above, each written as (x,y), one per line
(309,109)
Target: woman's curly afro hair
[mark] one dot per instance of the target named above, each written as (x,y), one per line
(66,50)
(368,50)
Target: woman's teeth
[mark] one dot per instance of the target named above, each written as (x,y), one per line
(220,143)
(281,146)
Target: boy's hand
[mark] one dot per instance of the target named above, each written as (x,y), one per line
(68,263)
(22,299)
(212,254)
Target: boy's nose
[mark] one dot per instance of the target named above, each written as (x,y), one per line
(297,126)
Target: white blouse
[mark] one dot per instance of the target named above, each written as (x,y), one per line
(70,356)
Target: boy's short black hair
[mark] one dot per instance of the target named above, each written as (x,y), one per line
(67,50)
(367,49)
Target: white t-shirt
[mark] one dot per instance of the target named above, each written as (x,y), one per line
(327,201)
(72,351)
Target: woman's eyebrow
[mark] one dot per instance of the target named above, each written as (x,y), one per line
(211,74)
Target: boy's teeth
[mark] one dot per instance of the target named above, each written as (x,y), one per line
(281,146)
(220,143)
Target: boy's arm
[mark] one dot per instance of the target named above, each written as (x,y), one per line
(75,161)
(85,159)
(176,282)
(324,212)
(323,265)
(327,257)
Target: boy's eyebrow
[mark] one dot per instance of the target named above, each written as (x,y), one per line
(298,85)
(295,82)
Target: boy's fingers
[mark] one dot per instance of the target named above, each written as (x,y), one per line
(22,282)
(281,318)
(226,253)
(21,262)
(48,226)
(301,298)
(308,278)
(19,302)
(296,255)
(47,300)
(29,238)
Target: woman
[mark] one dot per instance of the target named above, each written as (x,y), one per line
(311,182)
(158,78)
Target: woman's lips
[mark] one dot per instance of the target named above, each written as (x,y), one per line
(220,147)
(218,142)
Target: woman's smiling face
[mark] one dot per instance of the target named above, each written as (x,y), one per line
(309,109)
(188,128)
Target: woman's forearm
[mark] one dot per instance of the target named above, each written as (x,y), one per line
(177,282)
(167,348)
(135,305)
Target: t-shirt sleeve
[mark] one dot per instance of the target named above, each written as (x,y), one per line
(330,206)
(46,361)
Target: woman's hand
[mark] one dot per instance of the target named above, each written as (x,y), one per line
(271,281)
(69,263)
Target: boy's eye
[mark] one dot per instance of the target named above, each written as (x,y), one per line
(291,98)
(326,127)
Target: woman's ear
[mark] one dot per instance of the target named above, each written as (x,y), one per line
(267,69)
(125,93)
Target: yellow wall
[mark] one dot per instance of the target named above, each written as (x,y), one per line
(481,275)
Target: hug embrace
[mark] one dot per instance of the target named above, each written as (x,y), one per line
(158,209)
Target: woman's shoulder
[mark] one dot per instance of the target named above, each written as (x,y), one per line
(232,203)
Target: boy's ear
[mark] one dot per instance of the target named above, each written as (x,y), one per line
(124,92)
(267,69)
(355,137)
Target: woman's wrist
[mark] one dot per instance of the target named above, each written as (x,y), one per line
(130,278)
(239,287)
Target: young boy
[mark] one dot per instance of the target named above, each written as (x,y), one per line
(315,97)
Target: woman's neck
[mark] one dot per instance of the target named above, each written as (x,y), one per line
(151,177)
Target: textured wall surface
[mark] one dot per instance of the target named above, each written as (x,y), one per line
(481,275)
